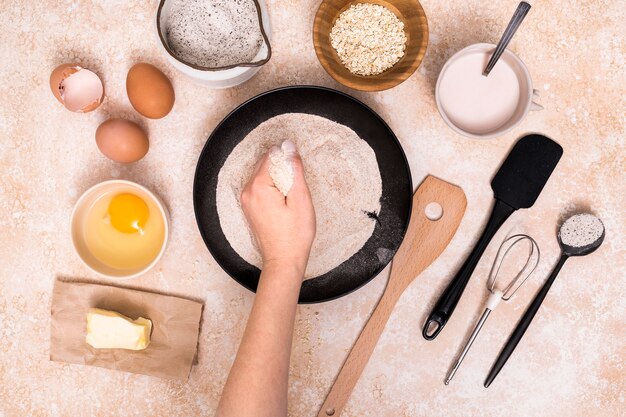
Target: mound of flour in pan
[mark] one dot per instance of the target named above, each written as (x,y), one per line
(342,174)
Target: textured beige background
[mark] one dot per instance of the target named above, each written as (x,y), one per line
(571,362)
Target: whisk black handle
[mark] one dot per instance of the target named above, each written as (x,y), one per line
(448,300)
(523,324)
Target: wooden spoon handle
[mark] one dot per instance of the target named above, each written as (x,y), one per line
(359,356)
(424,241)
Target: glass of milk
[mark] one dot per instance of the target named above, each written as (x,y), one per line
(484,107)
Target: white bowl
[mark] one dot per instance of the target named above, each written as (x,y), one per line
(216,78)
(80,211)
(528,95)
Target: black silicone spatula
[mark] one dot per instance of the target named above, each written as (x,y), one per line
(516,185)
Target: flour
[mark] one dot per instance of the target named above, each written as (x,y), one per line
(342,174)
(581,230)
(214,33)
(281,166)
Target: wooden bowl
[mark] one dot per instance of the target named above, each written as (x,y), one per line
(410,12)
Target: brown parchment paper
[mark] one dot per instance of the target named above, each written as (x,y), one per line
(173,342)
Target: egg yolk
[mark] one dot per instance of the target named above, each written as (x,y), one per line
(128,213)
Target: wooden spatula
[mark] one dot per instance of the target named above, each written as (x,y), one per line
(424,241)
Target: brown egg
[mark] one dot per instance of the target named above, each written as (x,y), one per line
(122,140)
(149,91)
(78,89)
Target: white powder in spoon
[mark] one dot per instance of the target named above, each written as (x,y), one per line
(581,230)
(342,174)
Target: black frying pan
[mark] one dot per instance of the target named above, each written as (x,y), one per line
(395,210)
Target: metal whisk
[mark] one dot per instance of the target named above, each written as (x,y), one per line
(497,294)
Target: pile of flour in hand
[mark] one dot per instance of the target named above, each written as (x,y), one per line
(342,174)
(214,33)
(281,166)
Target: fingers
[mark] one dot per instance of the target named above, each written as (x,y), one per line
(289,148)
(299,190)
(261,187)
(262,183)
(261,173)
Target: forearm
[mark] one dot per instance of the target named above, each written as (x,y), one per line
(257,384)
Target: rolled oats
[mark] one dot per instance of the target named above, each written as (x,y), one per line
(368,38)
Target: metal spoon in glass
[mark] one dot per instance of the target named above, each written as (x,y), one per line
(516,21)
(579,235)
(500,293)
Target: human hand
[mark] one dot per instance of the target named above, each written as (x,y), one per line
(284,227)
